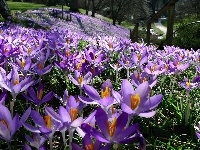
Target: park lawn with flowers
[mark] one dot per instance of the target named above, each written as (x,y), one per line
(82,84)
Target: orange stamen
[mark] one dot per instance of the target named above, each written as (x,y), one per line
(135,101)
(105,93)
(73,113)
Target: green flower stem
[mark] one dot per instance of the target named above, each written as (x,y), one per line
(12,103)
(64,140)
(9,146)
(116,75)
(51,143)
(71,131)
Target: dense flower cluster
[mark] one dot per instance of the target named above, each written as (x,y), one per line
(27,55)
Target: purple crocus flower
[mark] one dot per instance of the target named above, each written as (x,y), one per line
(113,130)
(46,126)
(89,145)
(12,82)
(137,79)
(136,102)
(79,79)
(37,141)
(105,100)
(37,97)
(187,85)
(9,126)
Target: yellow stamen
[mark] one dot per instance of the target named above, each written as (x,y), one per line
(89,147)
(135,101)
(105,93)
(68,53)
(117,65)
(112,126)
(188,84)
(39,94)
(16,82)
(68,41)
(73,113)
(29,51)
(78,66)
(139,57)
(127,62)
(82,60)
(110,45)
(166,67)
(178,63)
(23,63)
(144,79)
(48,121)
(153,68)
(113,109)
(80,79)
(4,122)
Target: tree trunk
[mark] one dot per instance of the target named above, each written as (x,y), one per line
(74,6)
(93,9)
(51,3)
(4,10)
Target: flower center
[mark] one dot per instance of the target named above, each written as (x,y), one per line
(89,147)
(48,121)
(39,94)
(80,79)
(22,63)
(4,122)
(153,68)
(16,81)
(135,101)
(188,84)
(73,113)
(29,51)
(127,62)
(5,50)
(110,45)
(105,93)
(78,66)
(139,57)
(112,126)
(68,41)
(68,53)
(40,65)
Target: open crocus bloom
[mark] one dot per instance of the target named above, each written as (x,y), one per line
(113,130)
(9,126)
(137,102)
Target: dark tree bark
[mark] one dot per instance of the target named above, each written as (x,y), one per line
(74,6)
(4,10)
(51,3)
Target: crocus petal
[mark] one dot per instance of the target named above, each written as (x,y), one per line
(121,123)
(106,101)
(65,117)
(126,108)
(76,146)
(88,129)
(4,133)
(47,97)
(152,102)
(72,79)
(37,118)
(26,147)
(91,92)
(147,114)
(198,135)
(25,115)
(126,88)
(101,120)
(128,131)
(71,102)
(143,91)
(77,123)
(87,100)
(52,113)
(45,130)
(31,128)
